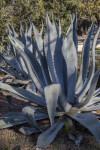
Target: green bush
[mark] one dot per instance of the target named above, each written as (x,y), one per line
(16,11)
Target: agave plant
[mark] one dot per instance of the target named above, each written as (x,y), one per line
(63,93)
(14,64)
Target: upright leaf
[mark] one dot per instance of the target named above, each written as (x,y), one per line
(69,51)
(92,70)
(29,39)
(41,32)
(55,98)
(39,45)
(14,32)
(34,72)
(84,60)
(50,38)
(54,24)
(29,113)
(58,62)
(91,89)
(51,96)
(22,64)
(22,35)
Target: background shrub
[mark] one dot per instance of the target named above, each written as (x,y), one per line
(16,11)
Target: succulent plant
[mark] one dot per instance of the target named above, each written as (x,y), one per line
(64,94)
(13,63)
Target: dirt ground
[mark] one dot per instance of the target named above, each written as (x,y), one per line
(11,137)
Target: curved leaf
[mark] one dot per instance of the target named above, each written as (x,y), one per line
(93,107)
(48,136)
(9,122)
(97,92)
(9,29)
(36,66)
(29,113)
(34,72)
(31,87)
(22,64)
(13,63)
(11,69)
(14,32)
(84,60)
(17,81)
(90,122)
(91,89)
(4,69)
(92,69)
(23,93)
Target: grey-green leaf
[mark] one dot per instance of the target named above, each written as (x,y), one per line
(85,60)
(69,51)
(91,89)
(39,45)
(33,71)
(50,38)
(86,85)
(9,122)
(22,35)
(29,113)
(90,122)
(48,136)
(51,96)
(28,130)
(97,92)
(23,94)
